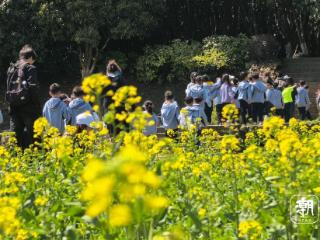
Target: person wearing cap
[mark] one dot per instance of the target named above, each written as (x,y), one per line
(84,121)
(288,95)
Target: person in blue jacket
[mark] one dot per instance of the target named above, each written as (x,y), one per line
(258,89)
(55,110)
(170,112)
(244,96)
(78,105)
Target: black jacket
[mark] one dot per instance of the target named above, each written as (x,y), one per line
(33,105)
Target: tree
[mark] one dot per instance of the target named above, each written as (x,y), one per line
(92,24)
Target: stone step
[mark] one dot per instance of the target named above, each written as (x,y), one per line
(303,60)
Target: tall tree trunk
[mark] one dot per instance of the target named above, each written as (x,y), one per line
(88,56)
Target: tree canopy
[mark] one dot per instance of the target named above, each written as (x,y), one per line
(77,34)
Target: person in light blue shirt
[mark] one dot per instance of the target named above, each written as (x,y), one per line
(274,99)
(226,93)
(198,116)
(244,97)
(78,105)
(170,112)
(152,120)
(210,89)
(302,100)
(196,90)
(258,89)
(217,102)
(55,110)
(185,113)
(193,76)
(235,87)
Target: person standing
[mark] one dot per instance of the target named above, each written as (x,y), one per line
(288,94)
(152,119)
(170,112)
(258,98)
(244,96)
(302,100)
(22,96)
(55,110)
(115,74)
(226,92)
(274,99)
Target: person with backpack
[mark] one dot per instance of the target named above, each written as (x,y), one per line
(22,96)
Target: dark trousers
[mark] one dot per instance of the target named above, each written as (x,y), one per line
(279,112)
(288,111)
(244,111)
(257,112)
(308,115)
(22,125)
(208,112)
(219,108)
(302,113)
(267,108)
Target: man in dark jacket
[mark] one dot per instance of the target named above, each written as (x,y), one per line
(22,117)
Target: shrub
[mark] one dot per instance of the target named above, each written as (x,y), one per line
(211,59)
(167,63)
(235,49)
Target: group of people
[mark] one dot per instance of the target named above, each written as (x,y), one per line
(60,110)
(255,94)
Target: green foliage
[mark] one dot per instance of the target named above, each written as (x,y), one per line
(175,61)
(235,50)
(211,58)
(170,63)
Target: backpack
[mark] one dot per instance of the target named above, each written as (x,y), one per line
(17,92)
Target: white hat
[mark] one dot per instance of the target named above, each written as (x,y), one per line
(85,118)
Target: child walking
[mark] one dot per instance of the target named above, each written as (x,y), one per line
(55,110)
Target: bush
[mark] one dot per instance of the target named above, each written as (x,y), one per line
(167,63)
(211,60)
(235,49)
